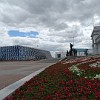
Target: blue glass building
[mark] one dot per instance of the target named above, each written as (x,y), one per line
(22,53)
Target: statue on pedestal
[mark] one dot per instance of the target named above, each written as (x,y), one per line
(71,49)
(72,52)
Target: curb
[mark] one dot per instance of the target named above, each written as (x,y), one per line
(11,88)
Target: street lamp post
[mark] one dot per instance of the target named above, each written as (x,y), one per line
(73,41)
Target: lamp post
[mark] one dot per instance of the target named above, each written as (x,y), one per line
(73,41)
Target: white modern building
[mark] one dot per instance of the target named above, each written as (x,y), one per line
(80,52)
(60,54)
(96,40)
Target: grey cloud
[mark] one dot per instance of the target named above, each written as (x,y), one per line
(60,26)
(54,15)
(11,14)
(55,47)
(49,12)
(75,9)
(24,41)
(45,11)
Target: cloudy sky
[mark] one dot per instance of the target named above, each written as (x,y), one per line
(48,24)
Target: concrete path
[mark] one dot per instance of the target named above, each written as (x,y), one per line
(11,72)
(11,88)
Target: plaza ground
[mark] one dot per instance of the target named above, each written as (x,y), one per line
(11,72)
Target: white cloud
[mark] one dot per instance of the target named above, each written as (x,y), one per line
(56,21)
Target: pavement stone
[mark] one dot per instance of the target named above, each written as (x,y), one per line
(11,72)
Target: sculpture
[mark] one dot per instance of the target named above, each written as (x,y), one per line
(72,52)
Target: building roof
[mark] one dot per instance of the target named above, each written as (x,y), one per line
(22,46)
(95,30)
(81,50)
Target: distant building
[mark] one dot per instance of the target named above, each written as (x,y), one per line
(60,54)
(96,40)
(80,52)
(83,52)
(22,53)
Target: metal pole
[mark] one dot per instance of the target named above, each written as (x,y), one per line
(73,41)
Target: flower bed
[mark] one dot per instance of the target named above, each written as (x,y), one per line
(61,81)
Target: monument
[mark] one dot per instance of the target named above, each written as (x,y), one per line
(72,52)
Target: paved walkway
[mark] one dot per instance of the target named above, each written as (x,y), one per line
(11,72)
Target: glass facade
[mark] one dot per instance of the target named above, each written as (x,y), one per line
(21,53)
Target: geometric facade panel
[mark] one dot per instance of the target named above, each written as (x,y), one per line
(22,53)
